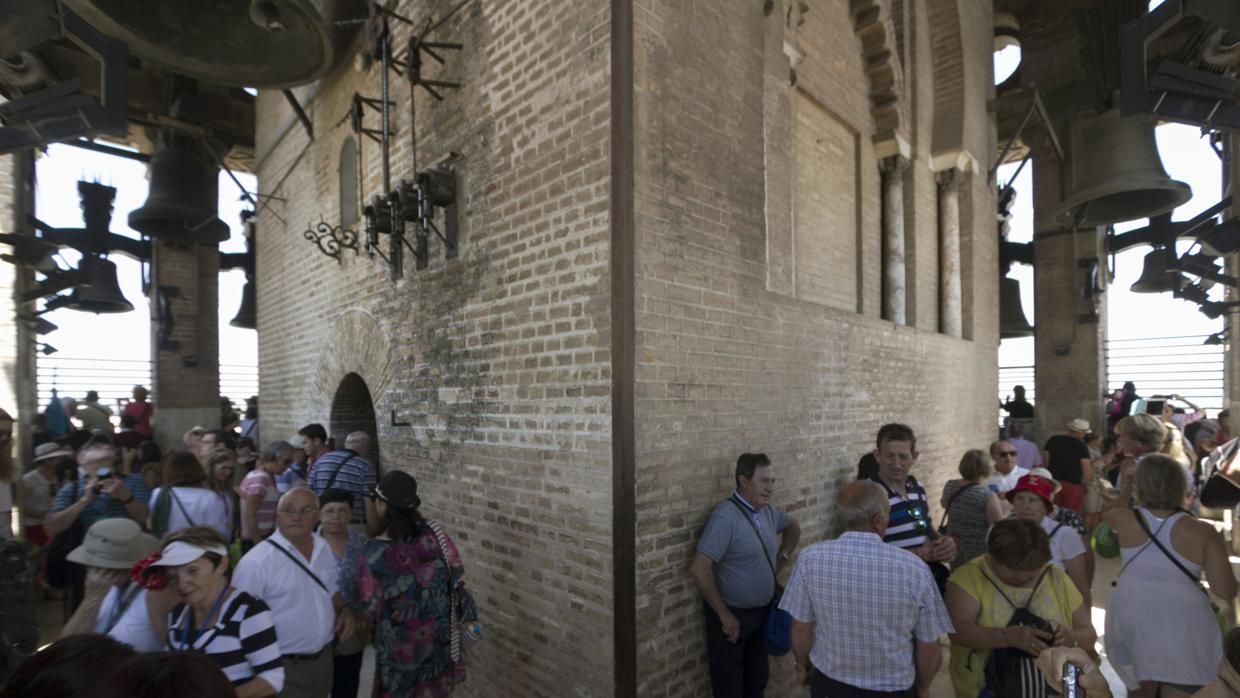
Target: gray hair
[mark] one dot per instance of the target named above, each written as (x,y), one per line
(357,438)
(860,502)
(275,450)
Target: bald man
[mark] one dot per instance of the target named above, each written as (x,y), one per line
(294,572)
(857,591)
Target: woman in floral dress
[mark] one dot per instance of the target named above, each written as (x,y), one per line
(405,582)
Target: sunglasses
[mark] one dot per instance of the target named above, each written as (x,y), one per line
(1005,454)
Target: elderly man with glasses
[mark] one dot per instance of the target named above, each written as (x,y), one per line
(1007,471)
(294,572)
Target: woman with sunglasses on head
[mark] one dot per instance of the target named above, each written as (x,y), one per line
(234,629)
(406,579)
(1162,636)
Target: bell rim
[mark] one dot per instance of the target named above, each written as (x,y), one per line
(147,220)
(1064,214)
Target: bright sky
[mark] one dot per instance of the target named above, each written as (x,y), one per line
(127,335)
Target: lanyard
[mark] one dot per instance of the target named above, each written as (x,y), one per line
(189,636)
(124,599)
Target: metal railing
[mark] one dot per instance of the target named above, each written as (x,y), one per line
(1182,365)
(114,379)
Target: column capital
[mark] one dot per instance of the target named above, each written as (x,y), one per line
(894,163)
(950,179)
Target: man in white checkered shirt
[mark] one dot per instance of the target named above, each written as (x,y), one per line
(866,616)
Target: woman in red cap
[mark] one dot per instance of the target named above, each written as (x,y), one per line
(1031,500)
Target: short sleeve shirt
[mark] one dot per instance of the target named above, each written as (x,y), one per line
(260,483)
(1065,454)
(1066,543)
(742,574)
(354,475)
(105,507)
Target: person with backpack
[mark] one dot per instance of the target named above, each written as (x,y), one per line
(1007,607)
(1161,626)
(97,493)
(183,500)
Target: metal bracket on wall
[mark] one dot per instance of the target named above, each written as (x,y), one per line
(399,424)
(164,321)
(332,240)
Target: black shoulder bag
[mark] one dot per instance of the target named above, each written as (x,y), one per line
(777,633)
(332,480)
(1011,672)
(300,564)
(947,509)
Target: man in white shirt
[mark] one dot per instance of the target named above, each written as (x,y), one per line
(294,572)
(1007,472)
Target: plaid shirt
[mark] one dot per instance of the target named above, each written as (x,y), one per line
(867,601)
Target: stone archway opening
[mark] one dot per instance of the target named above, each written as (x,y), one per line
(354,410)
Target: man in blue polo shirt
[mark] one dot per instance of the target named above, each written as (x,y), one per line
(735,567)
(349,470)
(909,525)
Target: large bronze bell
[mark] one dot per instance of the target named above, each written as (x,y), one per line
(1012,320)
(246,318)
(235,43)
(101,293)
(1116,172)
(183,199)
(1154,275)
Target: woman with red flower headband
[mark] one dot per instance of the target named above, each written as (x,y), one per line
(234,629)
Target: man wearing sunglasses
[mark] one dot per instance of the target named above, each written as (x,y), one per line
(908,524)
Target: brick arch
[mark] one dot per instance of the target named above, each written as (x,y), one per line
(873,25)
(355,343)
(956,84)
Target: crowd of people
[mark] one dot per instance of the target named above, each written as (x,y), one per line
(259,571)
(1006,575)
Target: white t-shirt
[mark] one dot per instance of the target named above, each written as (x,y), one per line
(132,626)
(204,507)
(1001,483)
(1066,543)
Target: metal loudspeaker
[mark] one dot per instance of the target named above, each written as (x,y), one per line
(183,199)
(1012,320)
(99,294)
(1154,275)
(260,43)
(246,318)
(1116,172)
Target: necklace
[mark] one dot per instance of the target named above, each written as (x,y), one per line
(190,635)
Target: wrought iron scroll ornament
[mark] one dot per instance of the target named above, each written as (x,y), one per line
(332,240)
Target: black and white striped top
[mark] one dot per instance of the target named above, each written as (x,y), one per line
(242,643)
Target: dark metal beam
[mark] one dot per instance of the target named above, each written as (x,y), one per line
(109,150)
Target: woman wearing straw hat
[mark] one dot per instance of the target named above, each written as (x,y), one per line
(114,604)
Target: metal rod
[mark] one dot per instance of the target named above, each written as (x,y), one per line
(386,51)
(109,150)
(301,113)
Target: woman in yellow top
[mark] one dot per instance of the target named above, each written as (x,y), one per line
(983,595)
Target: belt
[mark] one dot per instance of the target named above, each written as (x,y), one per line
(307,657)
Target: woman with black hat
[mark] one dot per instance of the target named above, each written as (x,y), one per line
(406,579)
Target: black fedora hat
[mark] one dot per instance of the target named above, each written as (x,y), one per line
(399,490)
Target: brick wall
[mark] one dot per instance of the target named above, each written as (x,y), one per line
(498,360)
(726,365)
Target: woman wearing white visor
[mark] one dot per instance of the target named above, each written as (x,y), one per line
(234,629)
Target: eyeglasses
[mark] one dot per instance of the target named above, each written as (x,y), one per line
(1006,454)
(304,511)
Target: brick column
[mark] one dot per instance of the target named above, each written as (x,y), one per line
(18,391)
(894,290)
(949,252)
(186,370)
(1070,329)
(1231,358)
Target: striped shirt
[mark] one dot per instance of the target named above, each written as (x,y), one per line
(867,602)
(356,475)
(242,643)
(260,483)
(909,523)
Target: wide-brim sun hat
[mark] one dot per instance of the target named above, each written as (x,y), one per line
(114,544)
(51,450)
(1080,425)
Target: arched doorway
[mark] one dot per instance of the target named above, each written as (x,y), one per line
(354,410)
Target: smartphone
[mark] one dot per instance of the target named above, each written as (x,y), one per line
(1070,677)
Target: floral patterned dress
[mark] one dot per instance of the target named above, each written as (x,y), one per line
(405,587)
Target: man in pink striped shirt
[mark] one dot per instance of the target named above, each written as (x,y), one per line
(259,495)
